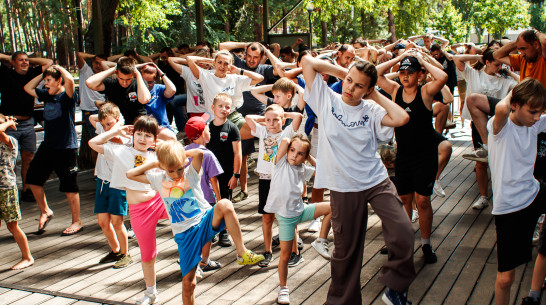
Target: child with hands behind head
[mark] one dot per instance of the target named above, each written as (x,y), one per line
(10,211)
(270,136)
(289,176)
(194,221)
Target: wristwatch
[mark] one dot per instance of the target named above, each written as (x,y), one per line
(237,176)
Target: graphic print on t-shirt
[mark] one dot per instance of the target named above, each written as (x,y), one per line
(139,160)
(223,136)
(271,147)
(132,96)
(181,205)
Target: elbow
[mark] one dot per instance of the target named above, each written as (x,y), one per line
(403,119)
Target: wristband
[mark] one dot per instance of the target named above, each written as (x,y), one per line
(242,71)
(161,76)
(237,176)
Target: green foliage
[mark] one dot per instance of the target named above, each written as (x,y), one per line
(449,22)
(538,16)
(498,16)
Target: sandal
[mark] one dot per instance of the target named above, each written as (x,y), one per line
(210,265)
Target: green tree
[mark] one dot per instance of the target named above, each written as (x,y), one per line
(449,22)
(537,11)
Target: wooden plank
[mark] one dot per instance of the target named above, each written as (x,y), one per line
(12,296)
(35,298)
(59,301)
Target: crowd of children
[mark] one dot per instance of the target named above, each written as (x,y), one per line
(354,96)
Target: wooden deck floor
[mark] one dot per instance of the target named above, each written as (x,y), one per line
(66,269)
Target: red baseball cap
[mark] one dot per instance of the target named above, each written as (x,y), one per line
(195,126)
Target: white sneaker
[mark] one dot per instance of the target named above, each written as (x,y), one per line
(198,273)
(438,190)
(314,226)
(414,216)
(536,235)
(481,203)
(130,233)
(284,296)
(322,248)
(479,154)
(148,298)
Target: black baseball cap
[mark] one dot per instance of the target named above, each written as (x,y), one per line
(411,64)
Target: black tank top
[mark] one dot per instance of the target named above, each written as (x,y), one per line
(417,136)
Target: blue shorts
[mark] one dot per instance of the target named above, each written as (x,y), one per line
(287,226)
(109,200)
(25,135)
(191,242)
(88,125)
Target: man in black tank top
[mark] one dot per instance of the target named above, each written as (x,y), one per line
(417,154)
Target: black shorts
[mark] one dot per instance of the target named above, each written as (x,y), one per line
(416,174)
(62,161)
(515,233)
(438,138)
(223,181)
(263,192)
(247,147)
(492,104)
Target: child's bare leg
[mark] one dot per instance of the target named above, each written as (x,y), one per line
(286,251)
(148,268)
(73,199)
(223,210)
(121,233)
(407,200)
(205,252)
(502,287)
(295,241)
(188,287)
(22,242)
(108,230)
(45,211)
(323,209)
(267,229)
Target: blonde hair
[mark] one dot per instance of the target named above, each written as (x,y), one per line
(276,108)
(221,97)
(109,109)
(284,85)
(226,53)
(170,154)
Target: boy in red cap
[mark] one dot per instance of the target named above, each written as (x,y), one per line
(198,133)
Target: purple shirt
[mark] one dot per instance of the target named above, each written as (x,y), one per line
(211,168)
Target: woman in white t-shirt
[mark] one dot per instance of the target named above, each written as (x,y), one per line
(488,83)
(226,79)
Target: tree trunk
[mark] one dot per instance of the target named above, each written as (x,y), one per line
(77,4)
(258,28)
(10,26)
(334,20)
(284,23)
(391,25)
(18,25)
(99,36)
(2,44)
(324,27)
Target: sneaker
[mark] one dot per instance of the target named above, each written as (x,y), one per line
(148,298)
(438,190)
(223,239)
(479,154)
(529,301)
(250,258)
(391,297)
(384,250)
(275,241)
(210,265)
(300,244)
(250,162)
(414,216)
(295,259)
(130,233)
(430,256)
(536,234)
(110,258)
(215,238)
(239,197)
(268,256)
(125,261)
(198,272)
(314,226)
(28,196)
(450,124)
(322,248)
(481,203)
(181,136)
(284,296)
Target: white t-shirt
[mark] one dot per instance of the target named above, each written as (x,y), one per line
(480,82)
(184,200)
(269,145)
(88,96)
(347,158)
(286,188)
(103,168)
(232,85)
(195,103)
(512,155)
(126,158)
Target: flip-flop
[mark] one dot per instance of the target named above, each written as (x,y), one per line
(42,230)
(72,233)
